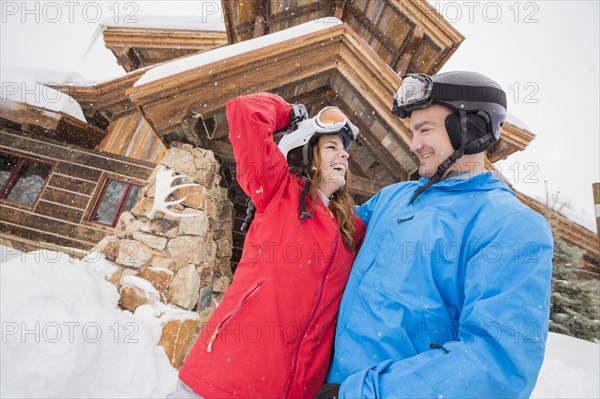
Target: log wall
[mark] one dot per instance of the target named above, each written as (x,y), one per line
(60,216)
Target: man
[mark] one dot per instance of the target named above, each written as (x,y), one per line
(449,295)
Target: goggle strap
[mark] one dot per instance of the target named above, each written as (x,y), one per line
(451,92)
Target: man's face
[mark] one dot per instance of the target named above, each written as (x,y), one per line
(430,141)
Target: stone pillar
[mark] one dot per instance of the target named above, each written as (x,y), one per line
(182,257)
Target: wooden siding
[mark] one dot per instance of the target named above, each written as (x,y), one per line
(133,137)
(60,215)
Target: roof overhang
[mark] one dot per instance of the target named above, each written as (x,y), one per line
(408,35)
(331,65)
(51,124)
(512,139)
(138,47)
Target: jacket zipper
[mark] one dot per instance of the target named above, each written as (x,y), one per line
(312,314)
(233,312)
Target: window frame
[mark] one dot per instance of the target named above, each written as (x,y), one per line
(98,199)
(21,159)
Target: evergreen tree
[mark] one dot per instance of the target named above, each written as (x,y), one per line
(575,302)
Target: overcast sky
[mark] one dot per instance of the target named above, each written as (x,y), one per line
(545,54)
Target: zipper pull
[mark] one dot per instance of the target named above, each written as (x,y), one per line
(212,339)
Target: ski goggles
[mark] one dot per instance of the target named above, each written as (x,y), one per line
(331,120)
(419,91)
(414,93)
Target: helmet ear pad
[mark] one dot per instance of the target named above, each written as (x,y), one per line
(295,158)
(477,127)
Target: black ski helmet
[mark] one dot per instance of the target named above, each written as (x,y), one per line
(478,104)
(484,102)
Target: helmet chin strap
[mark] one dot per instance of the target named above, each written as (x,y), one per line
(441,170)
(303,213)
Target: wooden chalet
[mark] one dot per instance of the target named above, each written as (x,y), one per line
(176,87)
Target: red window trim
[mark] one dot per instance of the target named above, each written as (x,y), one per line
(13,176)
(121,203)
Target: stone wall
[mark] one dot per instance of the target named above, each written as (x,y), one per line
(186,259)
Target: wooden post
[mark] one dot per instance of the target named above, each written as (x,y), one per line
(403,60)
(259,26)
(596,188)
(339,9)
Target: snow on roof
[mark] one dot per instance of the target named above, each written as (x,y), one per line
(205,58)
(46,76)
(513,120)
(188,22)
(585,220)
(29,86)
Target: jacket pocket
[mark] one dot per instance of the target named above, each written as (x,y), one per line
(252,291)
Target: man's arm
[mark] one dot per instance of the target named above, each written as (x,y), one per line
(365,211)
(502,331)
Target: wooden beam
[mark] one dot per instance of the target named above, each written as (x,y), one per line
(262,15)
(134,59)
(229,15)
(339,8)
(72,248)
(297,12)
(372,28)
(222,149)
(405,53)
(259,26)
(363,186)
(51,124)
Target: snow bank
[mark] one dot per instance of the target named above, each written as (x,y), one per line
(571,369)
(64,336)
(187,63)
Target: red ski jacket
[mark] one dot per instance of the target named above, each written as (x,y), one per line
(272,335)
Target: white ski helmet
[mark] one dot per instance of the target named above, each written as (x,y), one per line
(297,146)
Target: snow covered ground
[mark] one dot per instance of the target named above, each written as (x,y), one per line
(64,336)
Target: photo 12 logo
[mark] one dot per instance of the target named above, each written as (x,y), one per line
(71,11)
(476,11)
(68,331)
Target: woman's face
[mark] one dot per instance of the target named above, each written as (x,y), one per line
(333,164)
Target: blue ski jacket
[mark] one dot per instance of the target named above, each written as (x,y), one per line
(448,297)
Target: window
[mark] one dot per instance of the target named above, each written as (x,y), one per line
(22,179)
(116,197)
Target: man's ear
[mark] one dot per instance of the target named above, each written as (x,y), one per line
(476,127)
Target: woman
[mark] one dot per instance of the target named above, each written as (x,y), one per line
(272,334)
